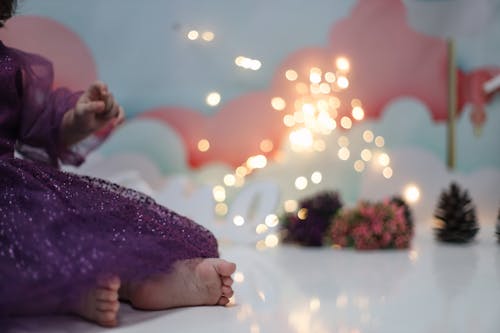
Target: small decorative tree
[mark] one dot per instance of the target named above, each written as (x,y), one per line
(456,215)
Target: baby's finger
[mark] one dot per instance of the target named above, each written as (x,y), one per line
(89,107)
(97,91)
(112,107)
(120,117)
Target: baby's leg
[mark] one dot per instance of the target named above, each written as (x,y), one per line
(101,304)
(191,282)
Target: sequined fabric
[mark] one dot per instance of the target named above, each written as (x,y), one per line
(60,231)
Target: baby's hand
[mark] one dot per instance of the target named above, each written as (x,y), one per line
(95,109)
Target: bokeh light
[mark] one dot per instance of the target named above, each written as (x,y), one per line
(208,36)
(203,145)
(300,183)
(411,193)
(193,35)
(213,98)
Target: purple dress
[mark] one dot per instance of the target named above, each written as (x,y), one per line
(60,231)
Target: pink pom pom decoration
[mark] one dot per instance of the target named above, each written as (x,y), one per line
(371,226)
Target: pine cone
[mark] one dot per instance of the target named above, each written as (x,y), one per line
(457,215)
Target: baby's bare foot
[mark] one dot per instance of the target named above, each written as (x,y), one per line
(101,304)
(191,282)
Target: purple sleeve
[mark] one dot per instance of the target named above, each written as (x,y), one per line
(42,112)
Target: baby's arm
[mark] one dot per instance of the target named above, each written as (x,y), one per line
(95,109)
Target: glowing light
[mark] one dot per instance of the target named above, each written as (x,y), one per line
(355,102)
(247,63)
(193,35)
(271,220)
(219,193)
(261,228)
(342,82)
(314,88)
(289,120)
(238,220)
(346,122)
(255,65)
(308,109)
(322,105)
(221,209)
(239,61)
(213,99)
(316,177)
(278,103)
(208,36)
(387,172)
(343,141)
(229,180)
(238,277)
(261,294)
(344,153)
(325,123)
(266,145)
(300,183)
(359,166)
(301,322)
(366,155)
(379,141)
(325,88)
(330,77)
(413,255)
(314,304)
(291,75)
(368,136)
(334,102)
(342,64)
(384,159)
(411,193)
(271,240)
(255,328)
(315,75)
(302,213)
(290,205)
(261,245)
(301,88)
(203,145)
(241,171)
(298,117)
(257,162)
(301,139)
(358,113)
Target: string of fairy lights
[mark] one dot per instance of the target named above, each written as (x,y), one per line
(311,116)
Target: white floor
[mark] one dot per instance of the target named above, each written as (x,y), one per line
(430,288)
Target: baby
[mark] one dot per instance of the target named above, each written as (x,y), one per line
(76,244)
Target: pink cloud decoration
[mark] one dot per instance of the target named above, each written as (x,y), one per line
(73,62)
(234,132)
(388,60)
